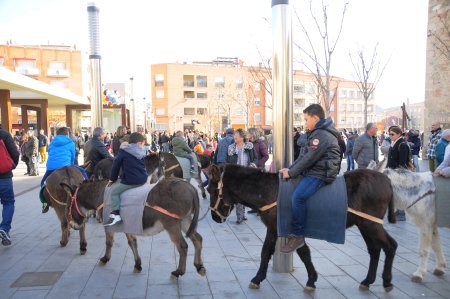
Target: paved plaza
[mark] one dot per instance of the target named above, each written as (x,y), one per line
(231,255)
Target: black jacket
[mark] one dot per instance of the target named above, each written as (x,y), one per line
(96,152)
(12,150)
(296,146)
(322,155)
(399,154)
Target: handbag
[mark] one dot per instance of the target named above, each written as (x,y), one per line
(7,162)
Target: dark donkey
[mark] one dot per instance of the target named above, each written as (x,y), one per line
(172,205)
(57,197)
(103,169)
(368,191)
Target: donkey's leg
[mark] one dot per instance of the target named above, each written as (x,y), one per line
(137,259)
(266,254)
(109,244)
(371,236)
(425,235)
(65,233)
(389,248)
(305,255)
(437,248)
(174,231)
(197,240)
(200,183)
(83,242)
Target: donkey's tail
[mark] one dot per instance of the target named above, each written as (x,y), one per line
(196,205)
(391,210)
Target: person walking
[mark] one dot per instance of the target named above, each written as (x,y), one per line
(9,155)
(349,151)
(318,165)
(436,135)
(31,151)
(241,152)
(43,143)
(441,147)
(220,156)
(414,145)
(365,148)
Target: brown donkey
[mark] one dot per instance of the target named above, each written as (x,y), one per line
(172,205)
(57,197)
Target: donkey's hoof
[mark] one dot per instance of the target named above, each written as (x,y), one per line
(62,243)
(309,289)
(137,269)
(363,287)
(83,251)
(202,271)
(204,195)
(104,260)
(416,279)
(253,286)
(438,272)
(176,274)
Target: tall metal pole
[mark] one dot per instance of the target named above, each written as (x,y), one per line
(282,104)
(95,66)
(133,107)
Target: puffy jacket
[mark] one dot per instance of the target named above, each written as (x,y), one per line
(365,150)
(399,154)
(131,160)
(12,150)
(96,151)
(321,156)
(61,152)
(222,149)
(350,144)
(249,150)
(262,154)
(180,147)
(440,151)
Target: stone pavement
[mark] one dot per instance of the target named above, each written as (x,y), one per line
(231,255)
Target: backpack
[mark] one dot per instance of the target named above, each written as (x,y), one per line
(8,163)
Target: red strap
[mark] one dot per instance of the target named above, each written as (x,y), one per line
(164,211)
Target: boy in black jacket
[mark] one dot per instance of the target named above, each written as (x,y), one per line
(131,160)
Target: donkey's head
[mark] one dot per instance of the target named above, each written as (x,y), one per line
(220,207)
(155,165)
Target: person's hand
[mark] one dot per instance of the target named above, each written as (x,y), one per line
(285,173)
(110,183)
(439,171)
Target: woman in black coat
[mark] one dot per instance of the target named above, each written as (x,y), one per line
(399,152)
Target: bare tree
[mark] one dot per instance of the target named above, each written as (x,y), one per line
(441,38)
(318,57)
(368,73)
(262,74)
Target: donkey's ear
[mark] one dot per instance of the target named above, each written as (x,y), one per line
(215,173)
(67,187)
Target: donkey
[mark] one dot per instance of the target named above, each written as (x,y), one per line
(56,196)
(415,193)
(172,205)
(232,184)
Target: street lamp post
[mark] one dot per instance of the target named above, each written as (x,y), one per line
(133,121)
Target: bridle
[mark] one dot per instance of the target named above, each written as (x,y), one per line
(219,198)
(73,203)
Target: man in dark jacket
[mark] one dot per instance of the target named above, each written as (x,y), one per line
(318,164)
(414,145)
(221,154)
(349,151)
(6,188)
(96,150)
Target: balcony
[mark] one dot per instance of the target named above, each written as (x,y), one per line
(28,71)
(58,73)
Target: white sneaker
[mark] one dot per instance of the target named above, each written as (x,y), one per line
(113,219)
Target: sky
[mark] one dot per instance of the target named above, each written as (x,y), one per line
(138,33)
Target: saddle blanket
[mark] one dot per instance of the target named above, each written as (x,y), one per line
(442,200)
(186,166)
(326,211)
(132,203)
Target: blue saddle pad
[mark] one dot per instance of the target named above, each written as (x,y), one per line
(326,211)
(82,170)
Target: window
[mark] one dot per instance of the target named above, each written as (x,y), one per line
(202,111)
(299,88)
(57,65)
(239,83)
(257,101)
(202,81)
(343,120)
(161,127)
(359,107)
(202,95)
(19,111)
(360,95)
(160,94)
(257,87)
(188,80)
(297,116)
(312,89)
(27,67)
(160,111)
(189,94)
(219,82)
(299,102)
(57,69)
(189,111)
(257,116)
(351,94)
(343,93)
(159,80)
(351,107)
(341,107)
(219,94)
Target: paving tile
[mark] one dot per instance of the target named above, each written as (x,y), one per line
(35,294)
(162,291)
(131,286)
(226,290)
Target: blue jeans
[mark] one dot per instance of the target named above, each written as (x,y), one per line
(416,162)
(166,147)
(7,200)
(350,162)
(304,190)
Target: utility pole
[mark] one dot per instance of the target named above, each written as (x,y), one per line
(133,107)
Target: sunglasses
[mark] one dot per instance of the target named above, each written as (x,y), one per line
(392,134)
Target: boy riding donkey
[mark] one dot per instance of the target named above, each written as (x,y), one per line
(318,163)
